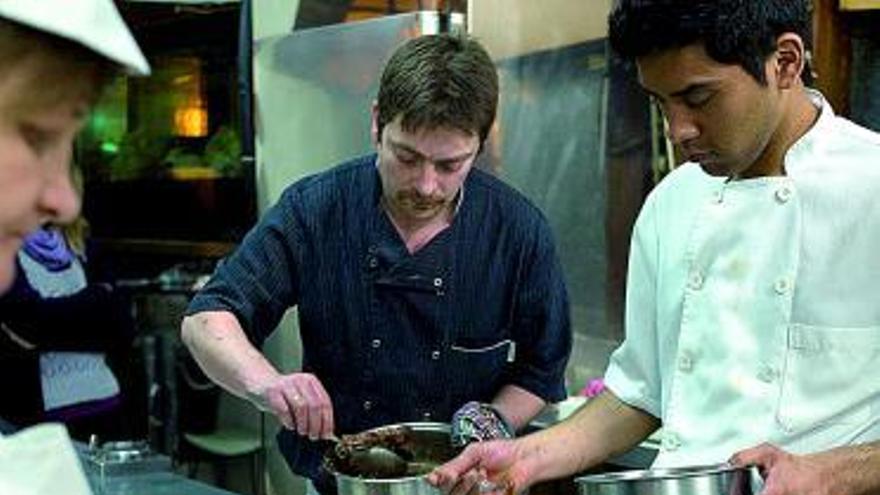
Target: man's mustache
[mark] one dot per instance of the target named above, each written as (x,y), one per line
(420,200)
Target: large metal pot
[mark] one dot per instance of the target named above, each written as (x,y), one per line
(719,479)
(430,446)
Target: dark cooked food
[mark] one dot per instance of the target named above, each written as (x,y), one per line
(390,437)
(375,454)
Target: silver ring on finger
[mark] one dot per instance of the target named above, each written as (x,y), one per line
(486,486)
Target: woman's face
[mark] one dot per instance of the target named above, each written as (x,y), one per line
(36,140)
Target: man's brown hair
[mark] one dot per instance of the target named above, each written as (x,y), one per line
(438,81)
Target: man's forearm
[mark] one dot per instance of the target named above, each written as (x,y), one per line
(854,469)
(218,343)
(517,405)
(603,428)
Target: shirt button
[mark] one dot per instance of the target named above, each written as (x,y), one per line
(438,282)
(786,426)
(670,441)
(435,355)
(767,374)
(372,250)
(376,343)
(685,362)
(782,286)
(718,197)
(427,416)
(783,194)
(367,405)
(695,281)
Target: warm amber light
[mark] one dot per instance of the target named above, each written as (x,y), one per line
(191,122)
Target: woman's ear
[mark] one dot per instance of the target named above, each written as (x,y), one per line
(790,60)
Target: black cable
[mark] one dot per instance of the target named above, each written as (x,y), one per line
(246,104)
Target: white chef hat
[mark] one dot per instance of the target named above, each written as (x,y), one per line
(95,24)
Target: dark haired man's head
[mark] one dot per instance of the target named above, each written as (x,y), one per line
(439,81)
(437,100)
(741,32)
(727,74)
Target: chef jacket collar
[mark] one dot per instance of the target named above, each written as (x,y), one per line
(812,141)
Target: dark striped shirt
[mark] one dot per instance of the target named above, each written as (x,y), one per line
(395,336)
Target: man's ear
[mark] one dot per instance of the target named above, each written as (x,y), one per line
(374,124)
(790,60)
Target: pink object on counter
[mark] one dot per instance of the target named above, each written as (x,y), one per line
(594,387)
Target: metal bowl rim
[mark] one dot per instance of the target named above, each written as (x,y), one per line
(417,426)
(126,446)
(648,475)
(378,481)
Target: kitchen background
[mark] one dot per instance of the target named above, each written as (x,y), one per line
(248,97)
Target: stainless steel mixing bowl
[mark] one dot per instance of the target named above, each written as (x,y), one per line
(430,447)
(719,479)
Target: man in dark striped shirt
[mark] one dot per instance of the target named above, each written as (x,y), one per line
(421,283)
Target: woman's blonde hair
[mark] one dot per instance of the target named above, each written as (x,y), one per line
(68,69)
(77,231)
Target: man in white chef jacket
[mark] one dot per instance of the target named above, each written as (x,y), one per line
(753,304)
(55,57)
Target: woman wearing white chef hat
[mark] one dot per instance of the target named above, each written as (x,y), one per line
(55,57)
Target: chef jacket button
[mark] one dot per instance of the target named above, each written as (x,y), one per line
(435,355)
(695,281)
(376,343)
(786,426)
(670,441)
(767,374)
(685,362)
(783,194)
(367,405)
(438,282)
(782,286)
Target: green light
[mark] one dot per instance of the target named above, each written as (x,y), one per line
(99,121)
(109,148)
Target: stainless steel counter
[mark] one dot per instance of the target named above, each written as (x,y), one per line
(157,484)
(148,475)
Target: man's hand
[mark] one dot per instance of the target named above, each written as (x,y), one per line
(484,467)
(785,473)
(300,402)
(220,346)
(846,470)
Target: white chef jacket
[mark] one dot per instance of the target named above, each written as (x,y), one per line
(753,306)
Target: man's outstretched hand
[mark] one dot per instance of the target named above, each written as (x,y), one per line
(492,467)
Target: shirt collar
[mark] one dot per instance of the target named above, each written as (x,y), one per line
(816,137)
